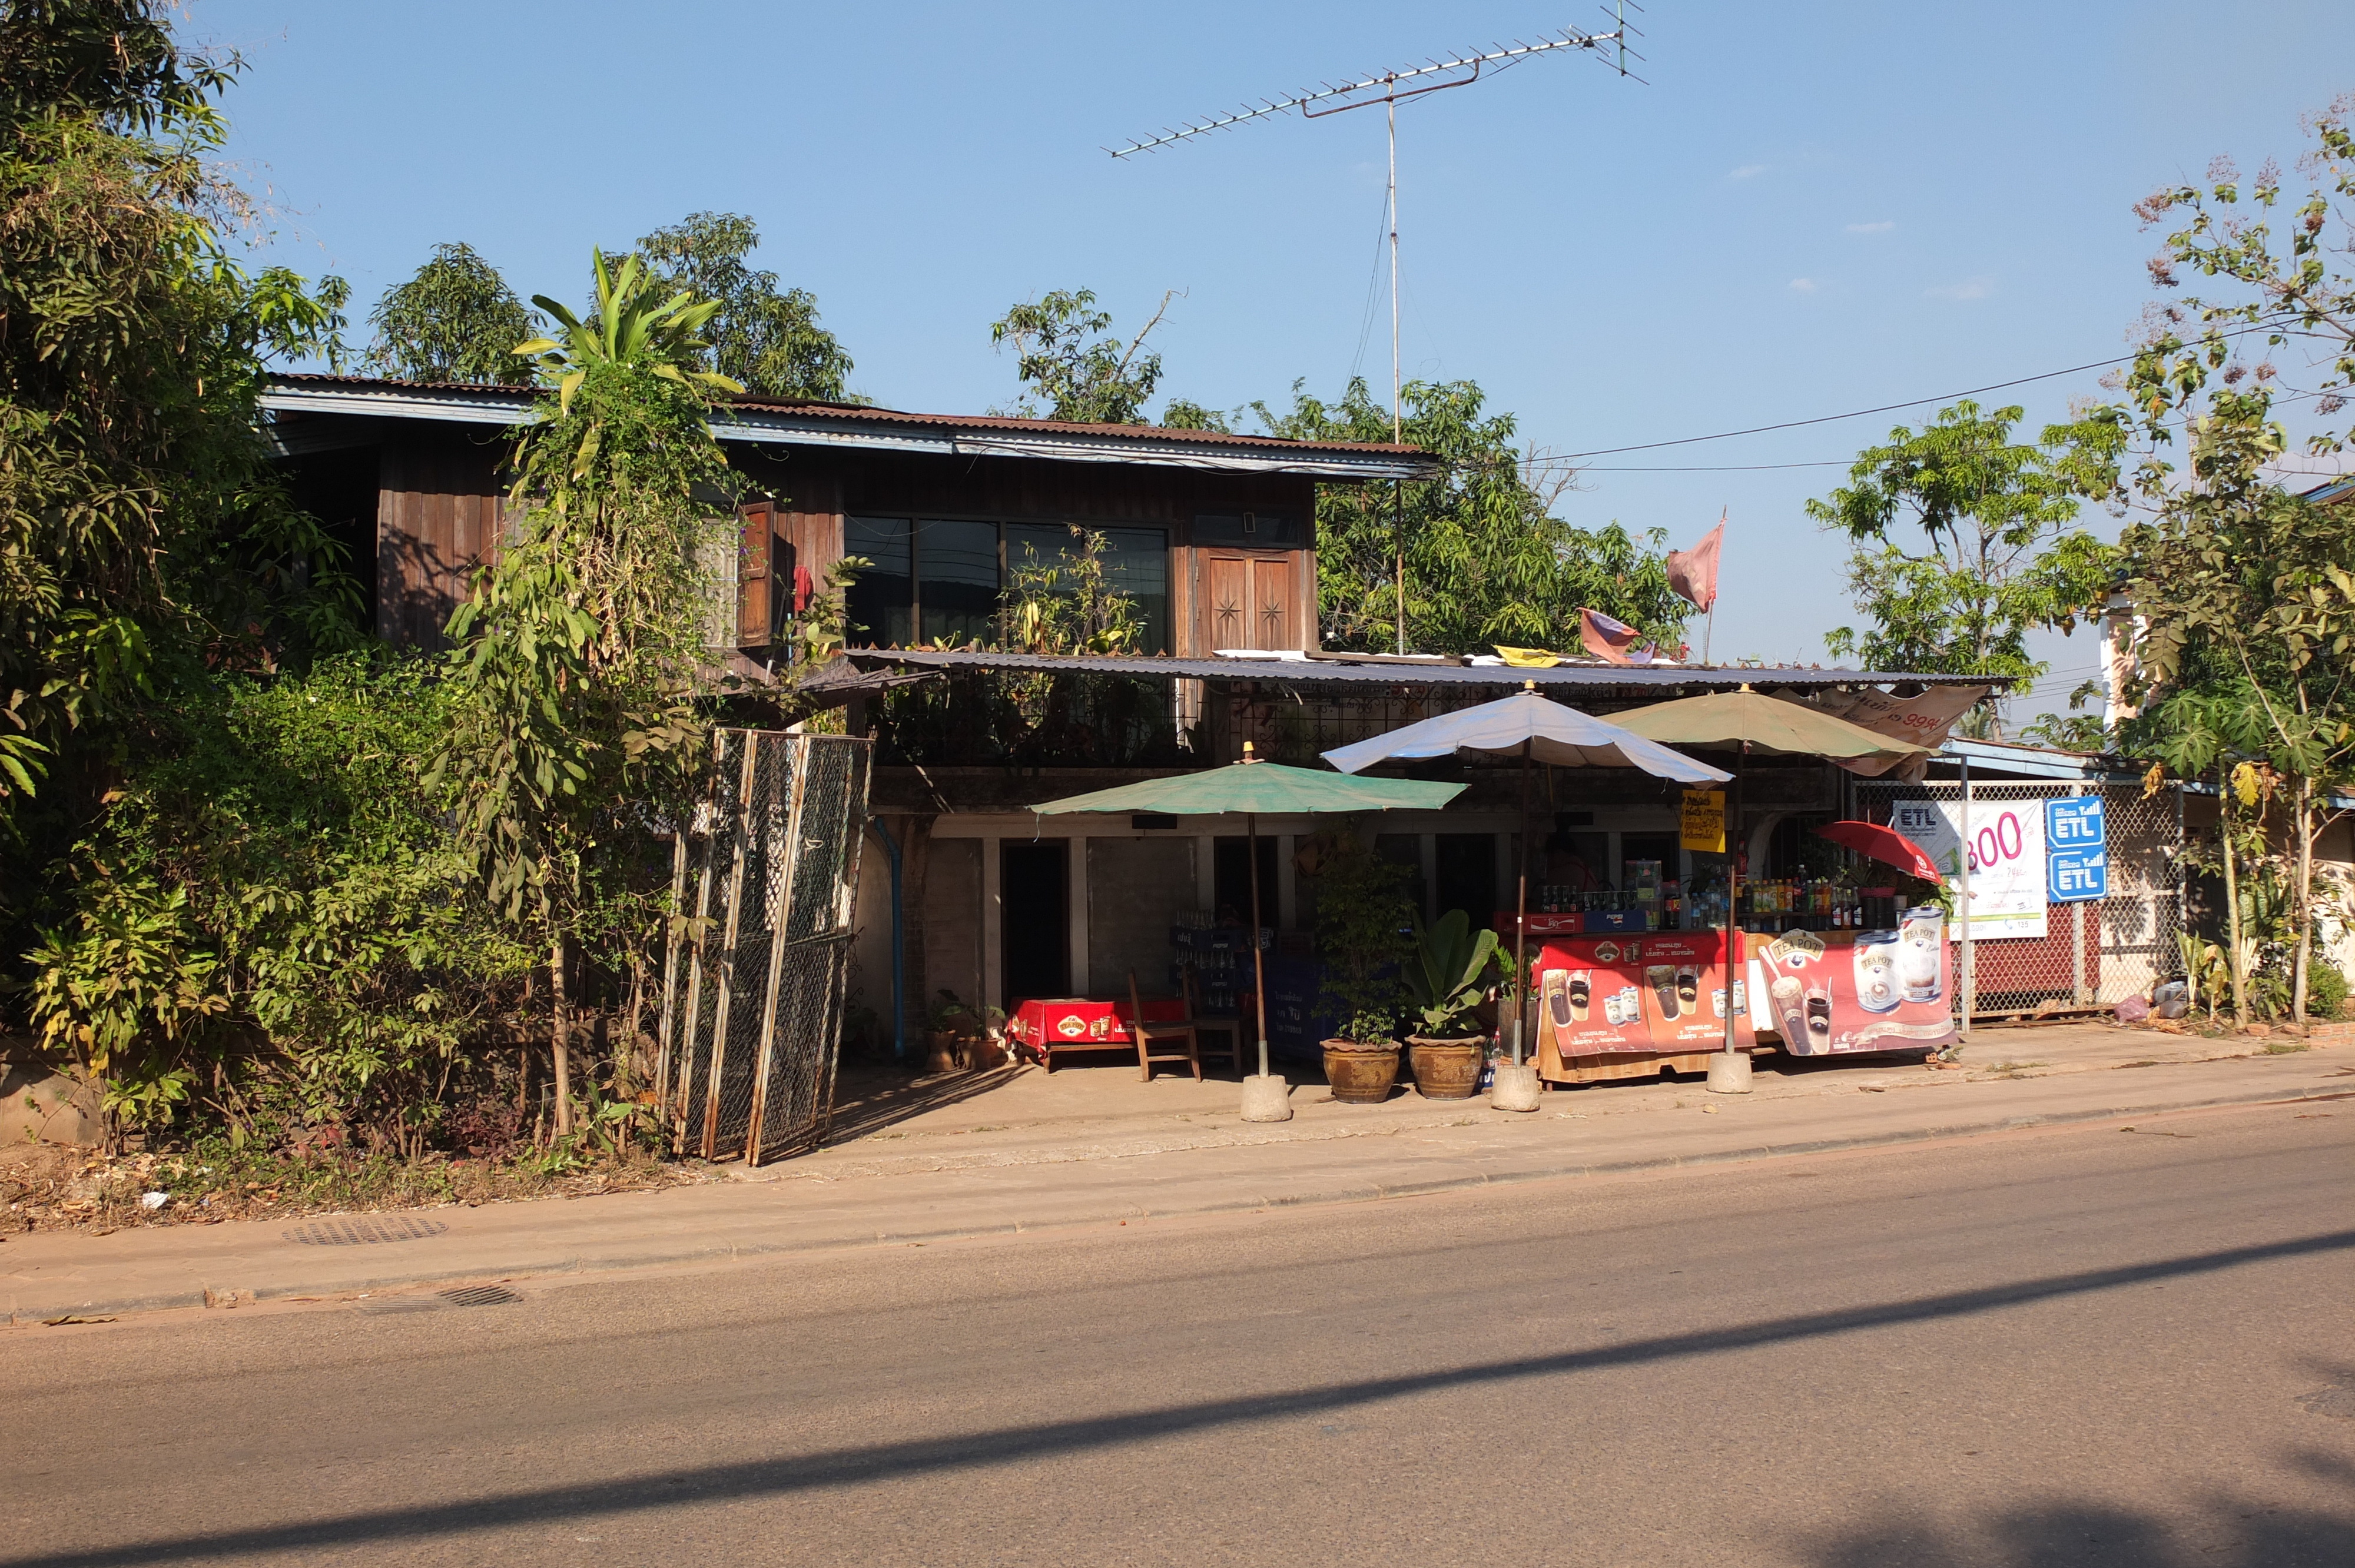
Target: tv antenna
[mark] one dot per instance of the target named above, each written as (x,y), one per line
(1388,89)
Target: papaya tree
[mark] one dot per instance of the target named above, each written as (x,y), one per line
(578,650)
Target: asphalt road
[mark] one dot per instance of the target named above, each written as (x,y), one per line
(2059,1348)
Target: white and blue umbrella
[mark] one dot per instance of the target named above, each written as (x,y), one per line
(1526,724)
(1529,727)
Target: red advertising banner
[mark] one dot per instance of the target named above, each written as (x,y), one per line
(1659,991)
(1824,993)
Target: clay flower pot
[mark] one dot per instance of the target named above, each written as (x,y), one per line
(1446,1069)
(1360,1075)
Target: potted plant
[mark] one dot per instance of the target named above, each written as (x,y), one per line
(947,1023)
(1362,921)
(1446,975)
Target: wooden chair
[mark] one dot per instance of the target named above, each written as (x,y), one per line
(1229,1029)
(1161,1030)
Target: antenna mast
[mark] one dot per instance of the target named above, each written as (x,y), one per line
(1386,89)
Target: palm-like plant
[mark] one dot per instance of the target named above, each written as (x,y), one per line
(1447,971)
(628,327)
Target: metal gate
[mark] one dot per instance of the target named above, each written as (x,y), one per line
(2093,953)
(764,882)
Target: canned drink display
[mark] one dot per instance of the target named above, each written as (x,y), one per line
(1921,947)
(1877,986)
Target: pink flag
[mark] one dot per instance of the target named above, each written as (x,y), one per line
(1612,642)
(1693,573)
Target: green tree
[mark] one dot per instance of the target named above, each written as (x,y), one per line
(1998,555)
(2248,592)
(1065,353)
(764,337)
(142,540)
(1485,560)
(456,320)
(577,650)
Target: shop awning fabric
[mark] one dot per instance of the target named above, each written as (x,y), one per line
(1730,720)
(1526,725)
(1265,788)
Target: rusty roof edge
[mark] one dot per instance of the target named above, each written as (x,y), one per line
(838,424)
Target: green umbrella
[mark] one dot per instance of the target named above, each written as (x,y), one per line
(1252,787)
(1747,720)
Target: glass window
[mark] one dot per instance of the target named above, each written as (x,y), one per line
(1136,563)
(956,579)
(883,598)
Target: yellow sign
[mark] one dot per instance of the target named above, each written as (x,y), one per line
(1703,824)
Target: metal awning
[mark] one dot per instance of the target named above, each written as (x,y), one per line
(1329,670)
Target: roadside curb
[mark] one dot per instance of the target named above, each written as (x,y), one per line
(559,1263)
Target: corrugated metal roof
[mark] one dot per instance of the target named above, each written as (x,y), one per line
(1644,681)
(857,425)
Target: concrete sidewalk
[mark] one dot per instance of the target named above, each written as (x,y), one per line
(1077,1150)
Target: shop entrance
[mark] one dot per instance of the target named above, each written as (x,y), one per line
(1034,883)
(1230,880)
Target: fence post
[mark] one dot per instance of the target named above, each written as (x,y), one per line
(1970,976)
(2077,928)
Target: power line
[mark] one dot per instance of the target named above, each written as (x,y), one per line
(1862,413)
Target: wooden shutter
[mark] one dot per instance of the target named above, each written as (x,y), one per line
(755,576)
(1272,605)
(1225,602)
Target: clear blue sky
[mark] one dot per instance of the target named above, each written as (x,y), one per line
(1810,208)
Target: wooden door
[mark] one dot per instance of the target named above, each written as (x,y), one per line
(1226,602)
(1272,604)
(756,595)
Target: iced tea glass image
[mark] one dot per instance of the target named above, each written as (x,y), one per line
(1819,1017)
(1662,979)
(1688,988)
(1581,994)
(1790,1010)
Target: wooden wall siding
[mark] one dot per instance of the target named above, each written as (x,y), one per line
(439,511)
(820,488)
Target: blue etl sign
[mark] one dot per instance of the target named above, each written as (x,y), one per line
(2076,854)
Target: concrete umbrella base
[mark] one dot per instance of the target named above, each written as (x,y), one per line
(1729,1073)
(1516,1088)
(1266,1097)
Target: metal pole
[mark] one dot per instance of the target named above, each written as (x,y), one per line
(1733,899)
(1398,487)
(1521,912)
(1729,1070)
(2077,932)
(1970,976)
(899,950)
(1259,960)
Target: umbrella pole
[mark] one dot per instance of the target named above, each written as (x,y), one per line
(1729,1074)
(1259,960)
(1521,919)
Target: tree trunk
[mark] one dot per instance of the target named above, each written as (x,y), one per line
(561,1012)
(2304,905)
(2232,897)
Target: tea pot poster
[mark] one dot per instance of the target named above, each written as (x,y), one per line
(1651,991)
(1828,992)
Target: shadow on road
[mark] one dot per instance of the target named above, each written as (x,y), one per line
(1023,1444)
(2239,1531)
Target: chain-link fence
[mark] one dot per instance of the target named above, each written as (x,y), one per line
(2029,956)
(753,983)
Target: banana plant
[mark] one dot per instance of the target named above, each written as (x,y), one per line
(1446,972)
(628,327)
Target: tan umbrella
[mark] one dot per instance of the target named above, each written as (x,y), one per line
(1746,721)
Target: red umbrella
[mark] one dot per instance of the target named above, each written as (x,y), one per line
(1885,845)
